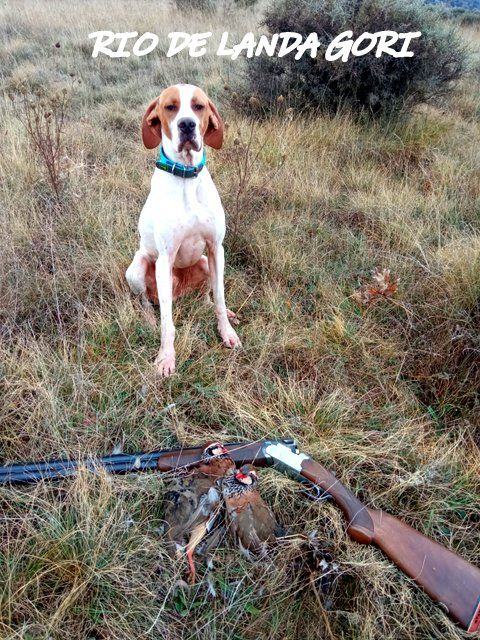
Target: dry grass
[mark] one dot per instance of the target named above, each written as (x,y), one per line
(385,395)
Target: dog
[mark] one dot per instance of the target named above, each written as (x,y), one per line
(182,216)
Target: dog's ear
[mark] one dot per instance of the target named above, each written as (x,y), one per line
(214,133)
(151,127)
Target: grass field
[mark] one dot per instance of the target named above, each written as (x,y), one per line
(385,395)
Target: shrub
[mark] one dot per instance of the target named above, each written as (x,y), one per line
(376,85)
(43,117)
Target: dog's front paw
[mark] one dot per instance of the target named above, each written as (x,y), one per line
(229,337)
(165,364)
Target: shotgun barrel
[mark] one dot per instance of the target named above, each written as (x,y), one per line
(122,463)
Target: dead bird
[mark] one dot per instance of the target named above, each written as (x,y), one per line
(192,502)
(250,519)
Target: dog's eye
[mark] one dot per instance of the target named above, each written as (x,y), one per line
(198,107)
(170,107)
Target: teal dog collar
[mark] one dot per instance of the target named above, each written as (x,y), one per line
(177,168)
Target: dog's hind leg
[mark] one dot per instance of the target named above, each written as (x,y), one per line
(140,277)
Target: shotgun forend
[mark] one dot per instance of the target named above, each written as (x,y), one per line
(444,575)
(241,453)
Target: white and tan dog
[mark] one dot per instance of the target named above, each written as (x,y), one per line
(182,216)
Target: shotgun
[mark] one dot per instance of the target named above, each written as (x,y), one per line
(443,575)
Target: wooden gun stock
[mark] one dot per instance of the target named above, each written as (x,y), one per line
(444,575)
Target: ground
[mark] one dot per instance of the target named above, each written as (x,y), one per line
(384,394)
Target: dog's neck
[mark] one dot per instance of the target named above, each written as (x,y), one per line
(189,158)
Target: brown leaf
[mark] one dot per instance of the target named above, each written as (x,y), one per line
(383,286)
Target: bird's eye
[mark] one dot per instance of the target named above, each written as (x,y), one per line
(198,107)
(170,107)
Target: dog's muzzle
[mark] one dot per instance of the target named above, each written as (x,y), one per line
(188,138)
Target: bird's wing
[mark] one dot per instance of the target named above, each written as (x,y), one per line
(207,505)
(178,508)
(252,521)
(189,502)
(265,521)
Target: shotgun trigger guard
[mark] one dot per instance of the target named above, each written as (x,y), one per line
(313,491)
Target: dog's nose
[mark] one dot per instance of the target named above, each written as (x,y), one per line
(186,125)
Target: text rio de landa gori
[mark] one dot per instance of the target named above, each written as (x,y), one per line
(123,45)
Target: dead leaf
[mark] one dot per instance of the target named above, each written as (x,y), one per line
(383,286)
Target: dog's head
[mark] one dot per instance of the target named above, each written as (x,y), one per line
(186,116)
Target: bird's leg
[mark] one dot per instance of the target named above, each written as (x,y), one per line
(191,566)
(195,537)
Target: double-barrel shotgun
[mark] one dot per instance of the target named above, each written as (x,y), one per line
(445,576)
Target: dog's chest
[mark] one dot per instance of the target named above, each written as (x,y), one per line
(194,201)
(196,212)
(179,209)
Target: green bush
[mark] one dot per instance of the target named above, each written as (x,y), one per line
(376,85)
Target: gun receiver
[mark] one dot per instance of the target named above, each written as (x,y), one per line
(443,575)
